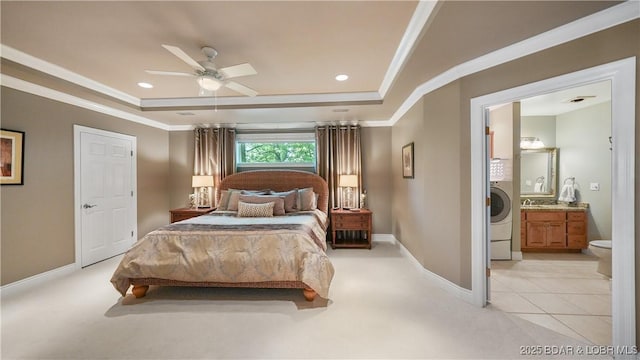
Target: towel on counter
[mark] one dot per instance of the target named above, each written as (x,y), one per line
(568,193)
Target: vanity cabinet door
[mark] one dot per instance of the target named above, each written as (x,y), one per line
(556,235)
(546,229)
(536,234)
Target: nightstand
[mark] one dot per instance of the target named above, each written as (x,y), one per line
(187,213)
(351,228)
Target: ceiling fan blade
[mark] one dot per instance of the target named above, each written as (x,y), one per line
(173,73)
(241,89)
(184,57)
(238,70)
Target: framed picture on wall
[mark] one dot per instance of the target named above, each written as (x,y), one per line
(11,157)
(407,161)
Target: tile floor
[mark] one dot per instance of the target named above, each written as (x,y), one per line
(562,292)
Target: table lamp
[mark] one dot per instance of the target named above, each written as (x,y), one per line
(349,182)
(202,183)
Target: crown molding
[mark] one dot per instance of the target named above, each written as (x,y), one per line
(602,20)
(333,99)
(33,62)
(418,23)
(21,85)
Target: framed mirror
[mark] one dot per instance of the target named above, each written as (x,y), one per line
(538,173)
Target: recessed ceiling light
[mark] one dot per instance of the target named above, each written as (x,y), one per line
(145,85)
(342,77)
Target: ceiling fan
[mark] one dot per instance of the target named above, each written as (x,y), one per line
(207,76)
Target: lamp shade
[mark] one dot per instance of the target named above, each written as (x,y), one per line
(202,181)
(348,181)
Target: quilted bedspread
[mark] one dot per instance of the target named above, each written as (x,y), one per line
(221,247)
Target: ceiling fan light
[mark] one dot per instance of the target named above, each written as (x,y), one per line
(209,83)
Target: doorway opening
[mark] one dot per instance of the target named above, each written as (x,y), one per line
(564,201)
(622,76)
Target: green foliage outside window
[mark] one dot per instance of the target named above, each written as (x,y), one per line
(277,152)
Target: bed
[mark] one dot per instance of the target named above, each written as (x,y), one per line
(226,248)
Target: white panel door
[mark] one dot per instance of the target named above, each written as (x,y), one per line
(106,196)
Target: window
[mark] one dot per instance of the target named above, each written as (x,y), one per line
(282,150)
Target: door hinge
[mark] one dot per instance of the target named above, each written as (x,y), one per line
(131,233)
(131,192)
(131,153)
(487,130)
(488,201)
(488,272)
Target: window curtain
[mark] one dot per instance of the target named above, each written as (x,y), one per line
(339,153)
(214,155)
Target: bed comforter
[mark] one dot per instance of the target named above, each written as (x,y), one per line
(220,247)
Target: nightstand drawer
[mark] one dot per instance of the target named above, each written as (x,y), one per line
(187,213)
(352,224)
(356,221)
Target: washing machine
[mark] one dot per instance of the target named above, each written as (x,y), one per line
(501,220)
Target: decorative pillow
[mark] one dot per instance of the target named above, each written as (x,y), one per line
(278,207)
(306,199)
(255,210)
(224,200)
(234,197)
(290,199)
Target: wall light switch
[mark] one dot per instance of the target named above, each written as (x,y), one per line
(594,186)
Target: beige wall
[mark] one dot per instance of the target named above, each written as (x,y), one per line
(423,205)
(37,218)
(454,244)
(181,150)
(376,175)
(407,205)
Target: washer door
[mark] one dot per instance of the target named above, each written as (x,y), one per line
(500,205)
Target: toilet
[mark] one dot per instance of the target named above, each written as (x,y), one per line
(602,249)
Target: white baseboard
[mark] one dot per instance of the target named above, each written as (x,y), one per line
(454,289)
(383,238)
(516,255)
(36,280)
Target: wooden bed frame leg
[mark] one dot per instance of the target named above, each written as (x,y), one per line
(139,290)
(309,294)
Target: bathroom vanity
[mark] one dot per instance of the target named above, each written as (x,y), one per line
(553,228)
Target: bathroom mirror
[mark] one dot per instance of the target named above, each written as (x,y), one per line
(538,170)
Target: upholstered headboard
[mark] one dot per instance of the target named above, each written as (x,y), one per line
(278,180)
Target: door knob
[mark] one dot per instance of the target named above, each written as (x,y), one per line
(87,206)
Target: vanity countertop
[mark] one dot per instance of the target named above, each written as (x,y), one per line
(555,207)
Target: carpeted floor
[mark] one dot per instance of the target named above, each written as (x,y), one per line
(382,306)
